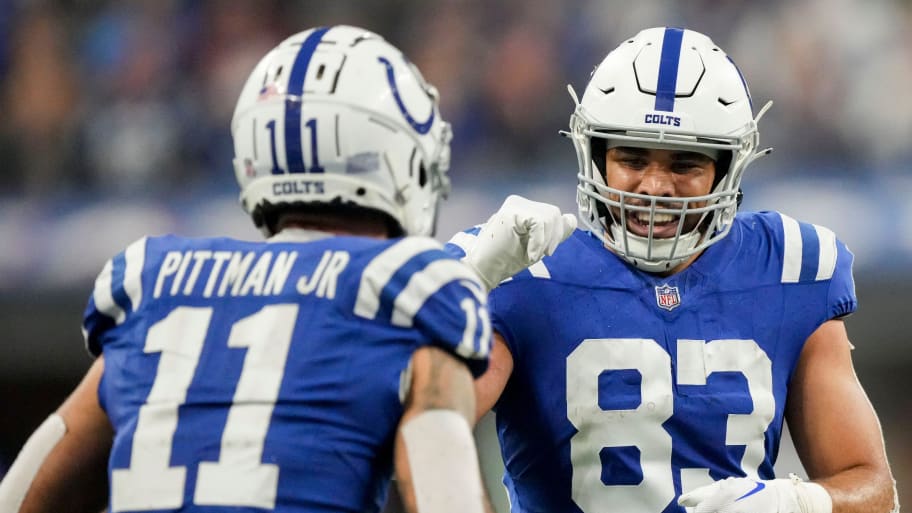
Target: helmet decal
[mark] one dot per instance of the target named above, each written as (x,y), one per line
(421,127)
(668,69)
(293,151)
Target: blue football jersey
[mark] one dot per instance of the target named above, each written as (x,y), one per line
(628,387)
(252,376)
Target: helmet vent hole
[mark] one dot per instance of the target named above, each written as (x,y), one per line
(320,71)
(422,175)
(361,191)
(607,91)
(726,103)
(279,72)
(716,50)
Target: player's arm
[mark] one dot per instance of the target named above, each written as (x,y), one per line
(836,432)
(490,385)
(63,465)
(435,458)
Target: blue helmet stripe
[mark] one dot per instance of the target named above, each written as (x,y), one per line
(750,100)
(294,155)
(668,69)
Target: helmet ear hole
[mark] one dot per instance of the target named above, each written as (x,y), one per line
(598,151)
(258,218)
(722,167)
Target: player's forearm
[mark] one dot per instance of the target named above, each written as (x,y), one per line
(435,456)
(56,470)
(64,464)
(85,489)
(862,489)
(437,464)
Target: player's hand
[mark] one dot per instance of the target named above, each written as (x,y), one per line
(743,495)
(521,233)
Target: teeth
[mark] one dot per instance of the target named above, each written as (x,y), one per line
(643,217)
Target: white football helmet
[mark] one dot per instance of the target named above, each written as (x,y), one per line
(338,116)
(666,88)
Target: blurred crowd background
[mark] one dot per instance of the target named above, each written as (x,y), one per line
(135,96)
(114,123)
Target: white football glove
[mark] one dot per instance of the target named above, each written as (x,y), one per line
(521,233)
(743,495)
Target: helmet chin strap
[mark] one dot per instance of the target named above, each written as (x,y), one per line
(662,258)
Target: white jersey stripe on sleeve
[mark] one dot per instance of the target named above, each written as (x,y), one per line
(104,300)
(486,332)
(827,261)
(466,347)
(463,241)
(425,283)
(791,262)
(540,270)
(135,256)
(381,269)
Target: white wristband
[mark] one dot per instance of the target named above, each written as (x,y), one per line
(444,463)
(19,479)
(812,498)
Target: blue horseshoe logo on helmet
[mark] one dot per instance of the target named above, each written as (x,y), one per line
(422,127)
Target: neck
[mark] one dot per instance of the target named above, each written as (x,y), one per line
(680,267)
(337,226)
(669,272)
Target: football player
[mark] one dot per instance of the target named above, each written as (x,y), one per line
(293,374)
(650,363)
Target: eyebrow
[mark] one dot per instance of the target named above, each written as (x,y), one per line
(690,155)
(632,150)
(675,155)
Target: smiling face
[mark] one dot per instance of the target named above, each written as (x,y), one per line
(662,173)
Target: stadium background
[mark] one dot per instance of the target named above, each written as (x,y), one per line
(115,125)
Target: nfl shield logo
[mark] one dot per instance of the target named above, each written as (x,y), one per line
(667,297)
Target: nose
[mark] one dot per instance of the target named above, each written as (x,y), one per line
(656,180)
